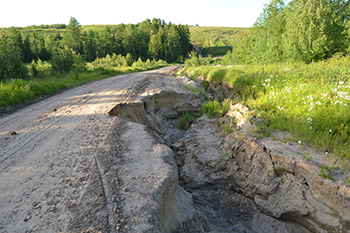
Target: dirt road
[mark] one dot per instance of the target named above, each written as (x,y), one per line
(51,177)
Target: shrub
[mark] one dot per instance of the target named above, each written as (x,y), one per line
(40,68)
(33,69)
(62,60)
(196,60)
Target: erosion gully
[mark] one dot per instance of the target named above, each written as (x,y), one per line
(230,183)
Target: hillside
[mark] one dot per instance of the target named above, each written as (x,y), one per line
(215,40)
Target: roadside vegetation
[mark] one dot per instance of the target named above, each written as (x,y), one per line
(310,100)
(291,73)
(43,80)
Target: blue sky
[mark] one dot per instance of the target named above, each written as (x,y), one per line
(227,13)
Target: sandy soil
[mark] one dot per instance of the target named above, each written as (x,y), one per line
(52,177)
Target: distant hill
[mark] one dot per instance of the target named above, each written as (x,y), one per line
(215,40)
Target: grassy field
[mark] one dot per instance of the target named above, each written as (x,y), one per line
(45,32)
(215,40)
(309,100)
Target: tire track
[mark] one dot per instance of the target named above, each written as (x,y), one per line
(37,133)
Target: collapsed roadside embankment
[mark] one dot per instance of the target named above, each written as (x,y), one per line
(174,180)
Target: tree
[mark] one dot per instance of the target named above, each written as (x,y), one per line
(273,25)
(62,60)
(38,47)
(304,30)
(72,37)
(307,36)
(118,37)
(90,46)
(44,55)
(184,33)
(157,44)
(15,38)
(173,43)
(11,64)
(106,42)
(52,42)
(28,54)
(142,40)
(35,46)
(155,25)
(129,40)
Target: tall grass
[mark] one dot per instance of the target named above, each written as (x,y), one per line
(309,100)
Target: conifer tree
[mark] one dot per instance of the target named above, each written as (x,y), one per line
(72,37)
(90,46)
(28,54)
(174,47)
(106,42)
(11,63)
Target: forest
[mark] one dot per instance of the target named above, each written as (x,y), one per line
(300,30)
(150,39)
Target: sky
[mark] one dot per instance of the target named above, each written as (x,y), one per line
(226,13)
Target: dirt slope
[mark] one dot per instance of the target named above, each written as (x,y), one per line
(52,177)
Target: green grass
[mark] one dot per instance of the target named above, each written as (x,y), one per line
(214,108)
(309,100)
(53,31)
(327,171)
(17,91)
(184,119)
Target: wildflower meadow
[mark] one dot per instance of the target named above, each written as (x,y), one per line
(309,100)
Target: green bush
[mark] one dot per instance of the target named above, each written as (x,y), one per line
(196,60)
(62,61)
(40,68)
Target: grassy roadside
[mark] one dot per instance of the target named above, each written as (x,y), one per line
(16,93)
(309,100)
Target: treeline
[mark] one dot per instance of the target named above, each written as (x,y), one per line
(47,26)
(302,30)
(149,39)
(153,40)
